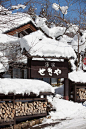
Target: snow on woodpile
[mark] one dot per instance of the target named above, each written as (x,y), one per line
(36,44)
(78,76)
(11,21)
(21,86)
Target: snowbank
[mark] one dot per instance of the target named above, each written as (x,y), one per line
(21,86)
(64,108)
(36,44)
(68,115)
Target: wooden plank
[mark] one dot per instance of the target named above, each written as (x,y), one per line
(31,116)
(6,123)
(6,99)
(22,28)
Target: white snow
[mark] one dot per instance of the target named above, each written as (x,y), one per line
(7,39)
(3,10)
(3,63)
(73,66)
(51,32)
(78,76)
(71,115)
(18,6)
(6,42)
(64,108)
(72,28)
(36,44)
(55,6)
(21,59)
(11,21)
(79,40)
(63,8)
(21,86)
(55,31)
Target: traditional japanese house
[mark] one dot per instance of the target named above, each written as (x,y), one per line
(42,57)
(18,25)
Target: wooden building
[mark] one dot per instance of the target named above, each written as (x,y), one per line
(44,67)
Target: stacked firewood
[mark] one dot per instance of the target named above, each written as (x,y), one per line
(26,108)
(7,111)
(82,93)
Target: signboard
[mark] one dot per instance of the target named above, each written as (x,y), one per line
(49,69)
(84,61)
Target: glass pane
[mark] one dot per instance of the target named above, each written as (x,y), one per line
(46,80)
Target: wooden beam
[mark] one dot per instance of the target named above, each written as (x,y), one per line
(20,29)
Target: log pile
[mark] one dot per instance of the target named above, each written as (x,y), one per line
(37,107)
(7,111)
(82,93)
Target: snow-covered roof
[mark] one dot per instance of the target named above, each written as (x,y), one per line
(21,86)
(37,44)
(78,76)
(7,39)
(12,21)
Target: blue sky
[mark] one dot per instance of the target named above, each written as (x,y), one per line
(72,10)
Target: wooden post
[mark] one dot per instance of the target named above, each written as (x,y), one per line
(22,73)
(50,81)
(66,83)
(29,68)
(14,108)
(66,89)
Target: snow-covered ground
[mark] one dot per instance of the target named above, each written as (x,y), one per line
(70,115)
(74,113)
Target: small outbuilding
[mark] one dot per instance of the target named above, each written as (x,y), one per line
(77,91)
